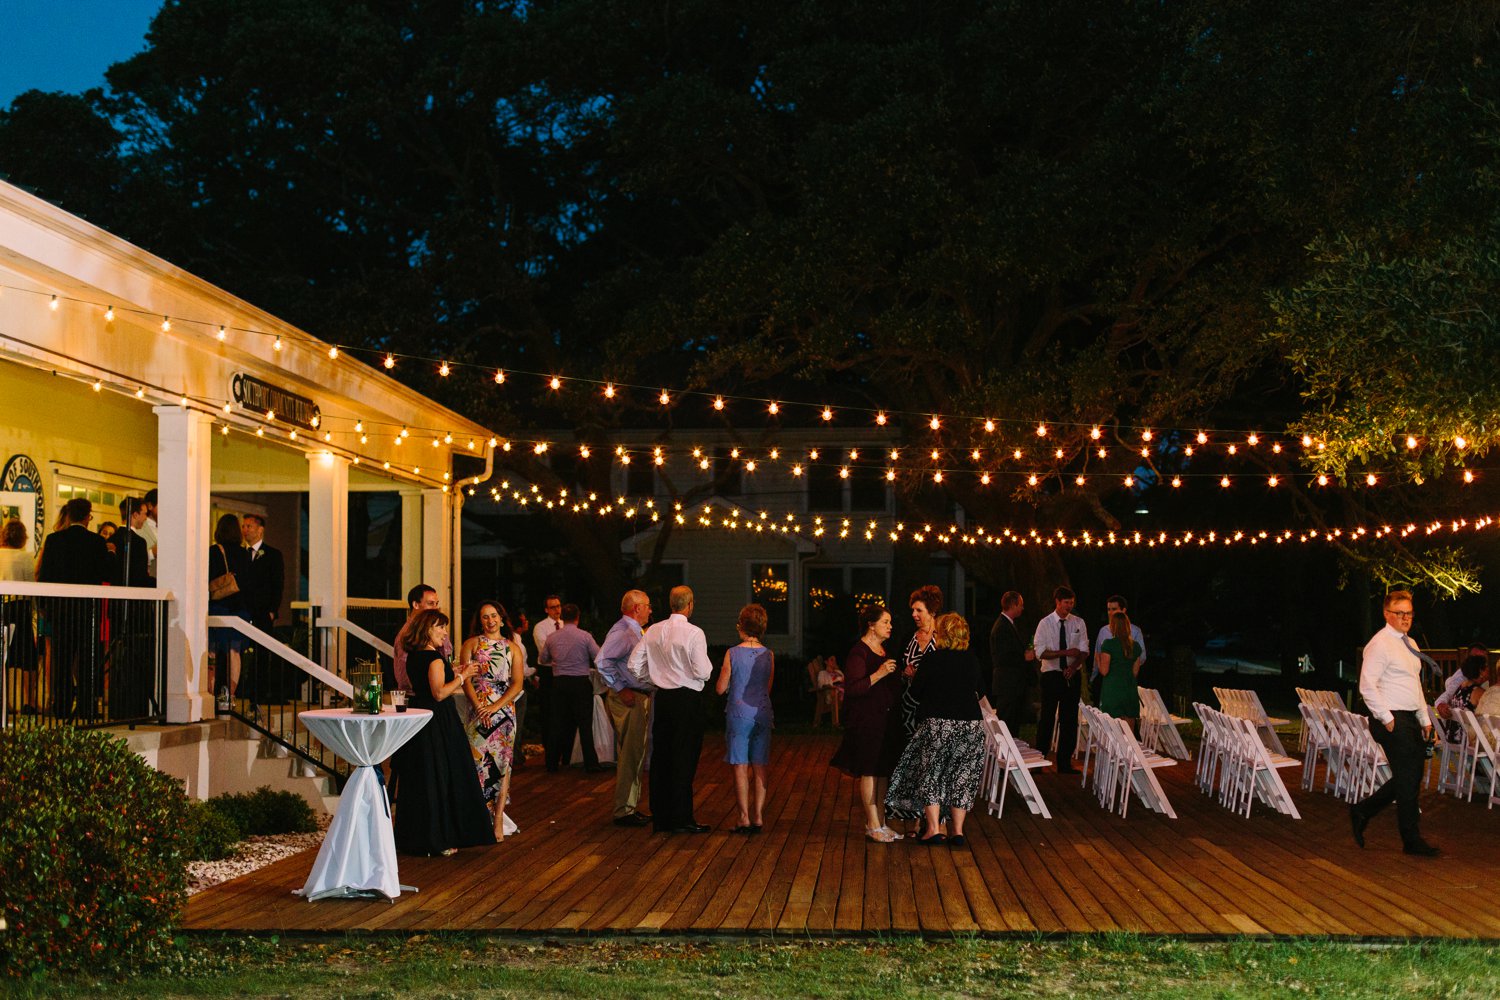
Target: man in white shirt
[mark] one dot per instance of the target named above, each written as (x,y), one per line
(148,531)
(675,655)
(551,622)
(1112,604)
(1062,644)
(1390,681)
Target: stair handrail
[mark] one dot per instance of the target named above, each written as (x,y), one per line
(281,649)
(379,645)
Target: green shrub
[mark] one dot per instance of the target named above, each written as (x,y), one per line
(211,835)
(264,812)
(92,853)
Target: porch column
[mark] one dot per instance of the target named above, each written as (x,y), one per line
(328,543)
(411,540)
(184,445)
(437,548)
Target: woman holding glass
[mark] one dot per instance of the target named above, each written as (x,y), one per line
(491,691)
(872,727)
(441,808)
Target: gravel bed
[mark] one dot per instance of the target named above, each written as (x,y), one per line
(252,853)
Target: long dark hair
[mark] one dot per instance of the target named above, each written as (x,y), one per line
(227,533)
(506,630)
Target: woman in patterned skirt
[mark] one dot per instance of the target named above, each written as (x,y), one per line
(492,692)
(926,604)
(940,768)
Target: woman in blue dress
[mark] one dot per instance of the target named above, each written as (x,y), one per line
(746,677)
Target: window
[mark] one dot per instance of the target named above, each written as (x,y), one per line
(867,489)
(825,490)
(640,477)
(834,596)
(770,587)
(727,473)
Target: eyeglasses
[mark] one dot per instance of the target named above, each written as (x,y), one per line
(1400,614)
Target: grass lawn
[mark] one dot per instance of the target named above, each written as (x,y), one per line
(442,966)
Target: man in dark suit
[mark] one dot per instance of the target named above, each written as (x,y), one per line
(262,588)
(78,556)
(267,577)
(1011,656)
(132,636)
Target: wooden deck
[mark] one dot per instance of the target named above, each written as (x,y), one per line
(1208,873)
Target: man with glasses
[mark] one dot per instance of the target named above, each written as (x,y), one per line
(1391,685)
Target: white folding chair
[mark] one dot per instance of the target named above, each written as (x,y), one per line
(1482,758)
(1013,764)
(1159,726)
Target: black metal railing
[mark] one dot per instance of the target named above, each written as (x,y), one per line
(275,685)
(81,656)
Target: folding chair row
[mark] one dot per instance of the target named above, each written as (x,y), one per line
(1008,764)
(1233,758)
(1318,699)
(1119,766)
(1480,757)
(1246,705)
(1356,763)
(1159,726)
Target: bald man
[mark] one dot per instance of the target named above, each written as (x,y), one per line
(628,703)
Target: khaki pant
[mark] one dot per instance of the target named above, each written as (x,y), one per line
(630,748)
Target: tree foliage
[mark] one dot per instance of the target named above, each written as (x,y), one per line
(1091,213)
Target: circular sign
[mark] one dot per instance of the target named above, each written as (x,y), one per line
(21,475)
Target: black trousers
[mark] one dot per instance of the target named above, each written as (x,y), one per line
(1008,697)
(1059,707)
(677,742)
(572,711)
(1404,750)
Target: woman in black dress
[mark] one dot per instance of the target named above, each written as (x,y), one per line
(871,727)
(441,807)
(938,774)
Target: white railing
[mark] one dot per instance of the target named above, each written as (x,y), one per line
(271,644)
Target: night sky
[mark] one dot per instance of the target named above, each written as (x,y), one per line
(67,44)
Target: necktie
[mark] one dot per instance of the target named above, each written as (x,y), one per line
(1411,646)
(556,626)
(1062,639)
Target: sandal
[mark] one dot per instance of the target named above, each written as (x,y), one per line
(878,836)
(893,834)
(448,852)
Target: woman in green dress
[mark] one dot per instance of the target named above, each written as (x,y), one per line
(1119,662)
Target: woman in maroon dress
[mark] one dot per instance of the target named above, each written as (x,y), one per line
(871,729)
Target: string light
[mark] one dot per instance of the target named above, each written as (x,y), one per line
(774,407)
(1460,443)
(53,304)
(109,315)
(98,385)
(1411,442)
(221,333)
(718,402)
(277,346)
(166,324)
(333,353)
(443,369)
(1253,439)
(1041,430)
(827,414)
(880,418)
(935,423)
(664,398)
(389,362)
(1095,433)
(556,383)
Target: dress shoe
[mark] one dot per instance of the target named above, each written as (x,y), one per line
(632,819)
(1421,849)
(594,769)
(1066,769)
(690,828)
(1357,823)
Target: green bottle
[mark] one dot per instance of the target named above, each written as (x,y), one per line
(373,694)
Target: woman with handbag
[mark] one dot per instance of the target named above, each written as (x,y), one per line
(227,564)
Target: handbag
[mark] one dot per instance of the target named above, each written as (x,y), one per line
(224,585)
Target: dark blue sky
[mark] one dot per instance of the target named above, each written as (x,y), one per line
(67,44)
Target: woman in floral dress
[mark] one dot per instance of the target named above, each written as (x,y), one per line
(492,692)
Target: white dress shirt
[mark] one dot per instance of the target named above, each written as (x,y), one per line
(542,629)
(1048,634)
(1390,679)
(675,653)
(1455,681)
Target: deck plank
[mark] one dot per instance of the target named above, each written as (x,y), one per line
(1210,872)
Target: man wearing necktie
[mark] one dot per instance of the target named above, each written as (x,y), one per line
(1062,644)
(1390,681)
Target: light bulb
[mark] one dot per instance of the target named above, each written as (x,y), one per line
(1041,430)
(555,383)
(664,398)
(718,402)
(443,369)
(166,324)
(277,344)
(98,385)
(333,353)
(109,315)
(989,427)
(935,423)
(827,414)
(221,332)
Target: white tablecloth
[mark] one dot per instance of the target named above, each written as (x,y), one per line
(358,855)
